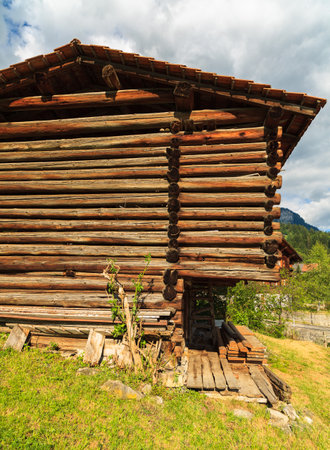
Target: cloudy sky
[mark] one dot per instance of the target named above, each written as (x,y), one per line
(285,43)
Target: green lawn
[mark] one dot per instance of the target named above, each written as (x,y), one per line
(43,404)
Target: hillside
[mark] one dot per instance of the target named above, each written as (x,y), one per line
(44,405)
(303,239)
(288,216)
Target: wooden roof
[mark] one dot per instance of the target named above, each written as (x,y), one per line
(77,67)
(288,251)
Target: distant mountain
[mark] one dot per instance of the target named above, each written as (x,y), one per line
(288,216)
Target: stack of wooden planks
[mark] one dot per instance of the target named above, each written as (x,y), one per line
(239,345)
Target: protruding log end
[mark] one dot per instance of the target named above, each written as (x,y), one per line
(270,246)
(43,83)
(268,230)
(173,174)
(173,217)
(170,277)
(175,126)
(271,261)
(173,190)
(173,231)
(172,255)
(272,146)
(173,243)
(270,190)
(110,77)
(169,292)
(173,153)
(272,172)
(173,204)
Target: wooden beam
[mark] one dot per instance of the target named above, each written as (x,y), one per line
(124,122)
(110,77)
(247,97)
(183,96)
(88,100)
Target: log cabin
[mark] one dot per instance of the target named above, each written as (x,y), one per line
(108,154)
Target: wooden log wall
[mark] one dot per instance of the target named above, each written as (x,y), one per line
(195,190)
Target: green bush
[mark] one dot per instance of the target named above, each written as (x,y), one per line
(245,306)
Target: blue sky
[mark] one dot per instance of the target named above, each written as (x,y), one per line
(283,43)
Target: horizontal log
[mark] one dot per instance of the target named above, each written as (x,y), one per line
(125,123)
(107,251)
(143,238)
(229,199)
(116,156)
(144,164)
(146,185)
(234,135)
(78,299)
(76,186)
(146,315)
(194,253)
(230,157)
(224,274)
(222,184)
(225,238)
(83,200)
(221,225)
(115,174)
(62,162)
(82,264)
(92,225)
(88,100)
(91,150)
(243,213)
(76,283)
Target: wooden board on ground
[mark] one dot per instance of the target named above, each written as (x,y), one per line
(248,388)
(219,378)
(94,348)
(208,380)
(263,384)
(231,380)
(194,379)
(17,338)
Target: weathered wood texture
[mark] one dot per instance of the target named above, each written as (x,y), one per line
(200,202)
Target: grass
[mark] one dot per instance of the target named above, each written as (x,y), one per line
(44,405)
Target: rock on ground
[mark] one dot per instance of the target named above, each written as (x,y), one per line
(243,413)
(88,371)
(290,412)
(121,390)
(146,389)
(277,419)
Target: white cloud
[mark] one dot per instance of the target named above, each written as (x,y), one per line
(280,42)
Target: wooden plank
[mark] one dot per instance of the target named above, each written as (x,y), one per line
(219,379)
(94,348)
(232,382)
(194,379)
(208,380)
(248,388)
(277,380)
(263,384)
(17,338)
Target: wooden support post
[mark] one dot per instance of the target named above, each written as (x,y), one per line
(94,348)
(17,338)
(184,96)
(43,83)
(110,77)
